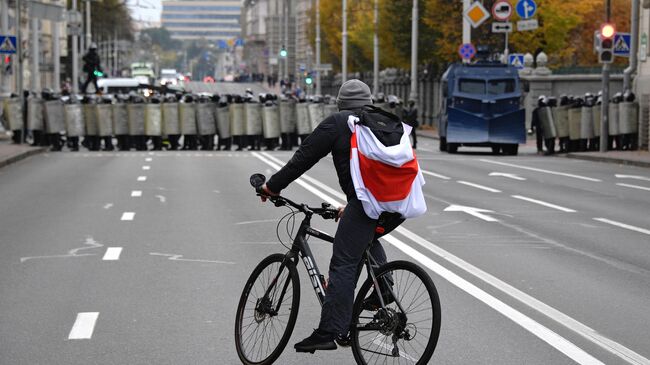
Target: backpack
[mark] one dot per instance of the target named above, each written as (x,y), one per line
(384,168)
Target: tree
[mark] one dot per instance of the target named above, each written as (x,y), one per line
(162,38)
(110,18)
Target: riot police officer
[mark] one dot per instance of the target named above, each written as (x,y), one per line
(411,118)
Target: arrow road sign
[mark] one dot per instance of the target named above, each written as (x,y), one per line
(467,51)
(530,24)
(502,10)
(622,44)
(526,9)
(517,60)
(502,27)
(7,44)
(509,176)
(476,14)
(476,212)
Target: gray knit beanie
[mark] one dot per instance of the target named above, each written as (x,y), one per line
(353,94)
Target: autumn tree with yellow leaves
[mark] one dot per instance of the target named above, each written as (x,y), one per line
(565,34)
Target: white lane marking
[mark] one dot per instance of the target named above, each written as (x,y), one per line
(623,225)
(255,222)
(146,167)
(90,243)
(108,206)
(570,323)
(425,172)
(151,153)
(142,178)
(127,216)
(83,326)
(175,257)
(568,210)
(136,193)
(148,159)
(541,170)
(479,186)
(545,334)
(476,212)
(509,176)
(636,177)
(633,186)
(161,198)
(112,254)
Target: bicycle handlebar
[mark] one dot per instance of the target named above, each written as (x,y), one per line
(325,211)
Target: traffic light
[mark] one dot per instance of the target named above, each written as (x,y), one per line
(98,73)
(308,79)
(7,64)
(606,43)
(283,51)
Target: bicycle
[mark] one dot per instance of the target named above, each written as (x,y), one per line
(392,332)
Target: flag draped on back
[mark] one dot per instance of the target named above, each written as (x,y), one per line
(386,179)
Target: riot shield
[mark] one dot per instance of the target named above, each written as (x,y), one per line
(628,117)
(587,123)
(548,125)
(561,119)
(205,119)
(237,122)
(135,114)
(120,120)
(187,117)
(575,114)
(54,116)
(13,113)
(287,116)
(223,121)
(153,120)
(271,121)
(253,119)
(613,120)
(302,119)
(74,120)
(170,122)
(35,115)
(329,109)
(315,115)
(90,117)
(104,115)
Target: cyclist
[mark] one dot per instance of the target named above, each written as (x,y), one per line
(355,231)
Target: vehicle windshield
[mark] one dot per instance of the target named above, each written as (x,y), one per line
(505,86)
(469,86)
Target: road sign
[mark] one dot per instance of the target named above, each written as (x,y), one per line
(476,14)
(7,44)
(502,10)
(505,27)
(526,8)
(74,29)
(622,43)
(530,24)
(467,51)
(517,60)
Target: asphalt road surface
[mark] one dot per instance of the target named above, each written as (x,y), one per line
(140,258)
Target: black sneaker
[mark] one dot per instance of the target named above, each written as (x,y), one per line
(344,340)
(372,303)
(319,340)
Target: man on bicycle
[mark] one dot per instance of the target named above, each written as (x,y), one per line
(356,231)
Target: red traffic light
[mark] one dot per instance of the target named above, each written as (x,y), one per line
(607,31)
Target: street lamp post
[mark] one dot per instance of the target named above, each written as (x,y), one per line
(344,56)
(375,66)
(75,56)
(4,28)
(414,53)
(318,70)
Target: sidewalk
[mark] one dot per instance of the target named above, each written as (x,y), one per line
(633,158)
(11,153)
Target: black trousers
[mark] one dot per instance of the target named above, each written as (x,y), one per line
(356,231)
(91,78)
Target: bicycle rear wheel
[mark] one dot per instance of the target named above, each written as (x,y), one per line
(267,311)
(406,329)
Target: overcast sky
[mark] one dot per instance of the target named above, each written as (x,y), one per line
(145,10)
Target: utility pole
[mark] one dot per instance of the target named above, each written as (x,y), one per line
(75,55)
(604,113)
(19,59)
(56,55)
(4,29)
(344,56)
(467,28)
(88,28)
(318,70)
(35,72)
(286,39)
(375,63)
(414,53)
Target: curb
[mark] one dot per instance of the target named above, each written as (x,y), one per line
(608,160)
(21,156)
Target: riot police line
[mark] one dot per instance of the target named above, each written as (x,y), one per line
(573,123)
(172,121)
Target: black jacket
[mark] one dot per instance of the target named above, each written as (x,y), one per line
(91,61)
(332,135)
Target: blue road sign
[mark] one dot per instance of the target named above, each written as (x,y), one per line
(622,44)
(467,51)
(526,8)
(7,44)
(517,60)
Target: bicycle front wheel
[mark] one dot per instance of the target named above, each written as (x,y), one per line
(406,329)
(267,311)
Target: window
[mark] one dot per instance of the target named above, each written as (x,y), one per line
(201,8)
(471,86)
(496,87)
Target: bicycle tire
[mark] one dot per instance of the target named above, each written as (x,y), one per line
(391,268)
(240,331)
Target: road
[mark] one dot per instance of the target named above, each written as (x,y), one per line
(140,258)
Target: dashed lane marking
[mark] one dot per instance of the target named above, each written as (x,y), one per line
(633,186)
(83,326)
(479,186)
(623,225)
(146,167)
(112,254)
(142,178)
(425,172)
(175,257)
(542,170)
(128,216)
(568,210)
(148,159)
(136,193)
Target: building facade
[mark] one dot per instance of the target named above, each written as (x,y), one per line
(642,80)
(193,20)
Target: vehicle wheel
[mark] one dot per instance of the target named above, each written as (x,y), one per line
(452,147)
(267,311)
(443,144)
(511,149)
(406,328)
